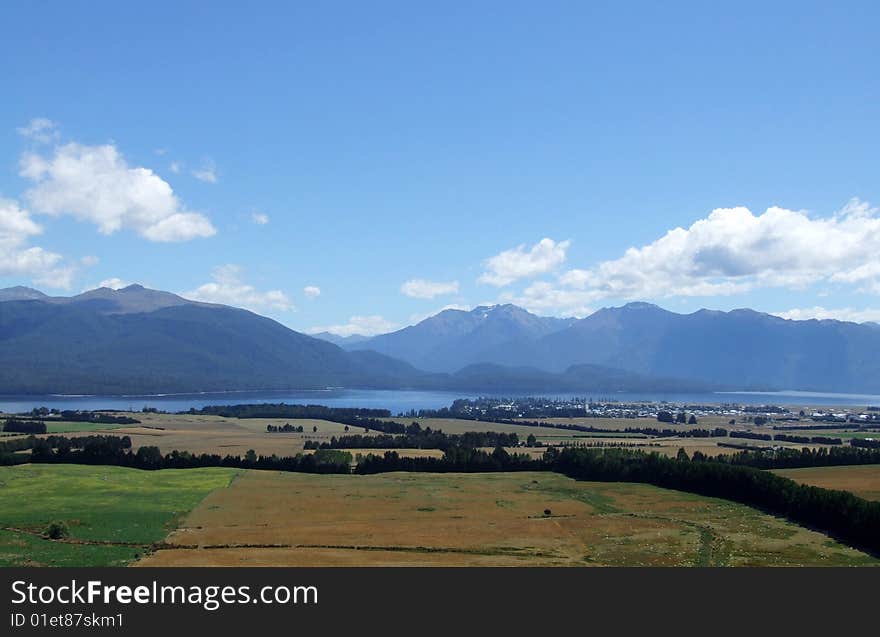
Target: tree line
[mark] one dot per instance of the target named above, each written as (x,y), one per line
(283,410)
(422,439)
(116,450)
(798,458)
(285,428)
(19,425)
(805,440)
(77,415)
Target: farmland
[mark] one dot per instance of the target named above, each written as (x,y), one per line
(235,436)
(864,481)
(121,515)
(112,513)
(269,518)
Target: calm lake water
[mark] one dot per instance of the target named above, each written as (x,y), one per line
(400,401)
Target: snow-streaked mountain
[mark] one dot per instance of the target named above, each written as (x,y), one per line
(454,339)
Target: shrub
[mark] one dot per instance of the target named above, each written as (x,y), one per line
(57,530)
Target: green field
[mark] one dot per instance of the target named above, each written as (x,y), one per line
(70,427)
(113,513)
(62,427)
(846,435)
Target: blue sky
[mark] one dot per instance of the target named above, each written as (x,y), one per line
(402,157)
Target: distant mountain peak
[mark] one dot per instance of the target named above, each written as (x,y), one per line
(21,293)
(640,305)
(351,339)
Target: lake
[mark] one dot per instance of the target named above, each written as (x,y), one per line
(399,401)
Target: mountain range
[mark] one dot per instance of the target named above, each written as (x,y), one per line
(738,350)
(453,339)
(139,341)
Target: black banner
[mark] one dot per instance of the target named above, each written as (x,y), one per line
(391,601)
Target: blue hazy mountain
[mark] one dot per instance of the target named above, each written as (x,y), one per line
(342,341)
(453,339)
(137,340)
(740,349)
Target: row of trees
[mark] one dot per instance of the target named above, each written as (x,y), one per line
(454,460)
(805,440)
(285,428)
(77,415)
(799,458)
(283,410)
(116,450)
(751,435)
(18,425)
(422,439)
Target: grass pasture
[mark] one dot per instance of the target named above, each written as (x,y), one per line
(76,427)
(862,480)
(270,518)
(113,513)
(223,436)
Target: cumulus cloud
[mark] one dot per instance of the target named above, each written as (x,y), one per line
(424,289)
(731,251)
(40,130)
(114,283)
(841,314)
(519,263)
(360,325)
(18,258)
(259,218)
(207,172)
(542,297)
(312,291)
(227,288)
(95,184)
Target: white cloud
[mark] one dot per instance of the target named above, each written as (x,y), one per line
(61,277)
(174,167)
(519,263)
(543,298)
(362,325)
(94,183)
(113,283)
(90,260)
(40,130)
(841,314)
(207,172)
(312,291)
(423,289)
(733,251)
(259,218)
(17,258)
(227,288)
